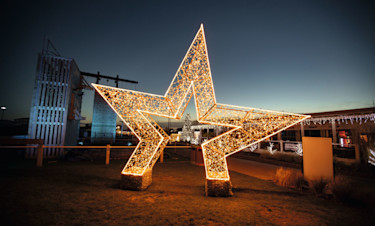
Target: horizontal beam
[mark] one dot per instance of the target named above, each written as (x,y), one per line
(107,77)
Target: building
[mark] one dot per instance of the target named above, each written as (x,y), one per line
(56,104)
(103,128)
(350,130)
(344,127)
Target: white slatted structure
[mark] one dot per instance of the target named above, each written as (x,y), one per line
(51,100)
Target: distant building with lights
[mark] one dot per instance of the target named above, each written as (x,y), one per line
(350,130)
(344,127)
(55,112)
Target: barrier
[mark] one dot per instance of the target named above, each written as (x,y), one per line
(41,147)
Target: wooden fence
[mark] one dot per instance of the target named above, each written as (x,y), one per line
(15,143)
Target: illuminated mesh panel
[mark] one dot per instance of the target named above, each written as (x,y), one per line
(193,77)
(129,106)
(250,127)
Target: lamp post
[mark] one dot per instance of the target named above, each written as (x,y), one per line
(3,108)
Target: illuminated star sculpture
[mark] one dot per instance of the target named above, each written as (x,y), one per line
(193,78)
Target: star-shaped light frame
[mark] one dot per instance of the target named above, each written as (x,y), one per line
(193,78)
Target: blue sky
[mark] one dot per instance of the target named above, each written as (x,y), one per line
(293,56)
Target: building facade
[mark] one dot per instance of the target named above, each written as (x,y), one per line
(56,104)
(351,132)
(103,127)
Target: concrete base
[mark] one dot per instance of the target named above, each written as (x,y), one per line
(137,183)
(218,188)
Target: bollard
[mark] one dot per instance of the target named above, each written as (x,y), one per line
(107,154)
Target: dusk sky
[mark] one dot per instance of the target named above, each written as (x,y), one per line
(293,56)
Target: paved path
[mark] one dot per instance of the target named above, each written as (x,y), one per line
(259,170)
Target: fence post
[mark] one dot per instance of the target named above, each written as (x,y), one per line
(39,155)
(356,149)
(281,146)
(107,154)
(162,156)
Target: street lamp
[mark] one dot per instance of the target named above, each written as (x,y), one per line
(3,108)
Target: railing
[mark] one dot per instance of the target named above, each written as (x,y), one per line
(13,142)
(283,147)
(40,147)
(356,151)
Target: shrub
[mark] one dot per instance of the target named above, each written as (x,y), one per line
(318,186)
(342,188)
(288,178)
(281,157)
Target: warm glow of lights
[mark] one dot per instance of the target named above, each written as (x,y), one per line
(175,137)
(299,150)
(371,157)
(270,148)
(193,77)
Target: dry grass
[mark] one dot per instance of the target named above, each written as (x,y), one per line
(342,187)
(345,190)
(285,157)
(289,178)
(88,193)
(318,186)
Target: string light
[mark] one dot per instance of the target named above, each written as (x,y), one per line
(253,147)
(270,148)
(248,126)
(371,157)
(187,134)
(342,119)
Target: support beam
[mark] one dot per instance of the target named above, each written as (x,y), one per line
(334,133)
(136,182)
(280,138)
(218,188)
(302,131)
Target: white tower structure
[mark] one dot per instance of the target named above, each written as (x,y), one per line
(56,104)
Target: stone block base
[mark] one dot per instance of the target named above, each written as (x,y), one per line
(218,188)
(137,183)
